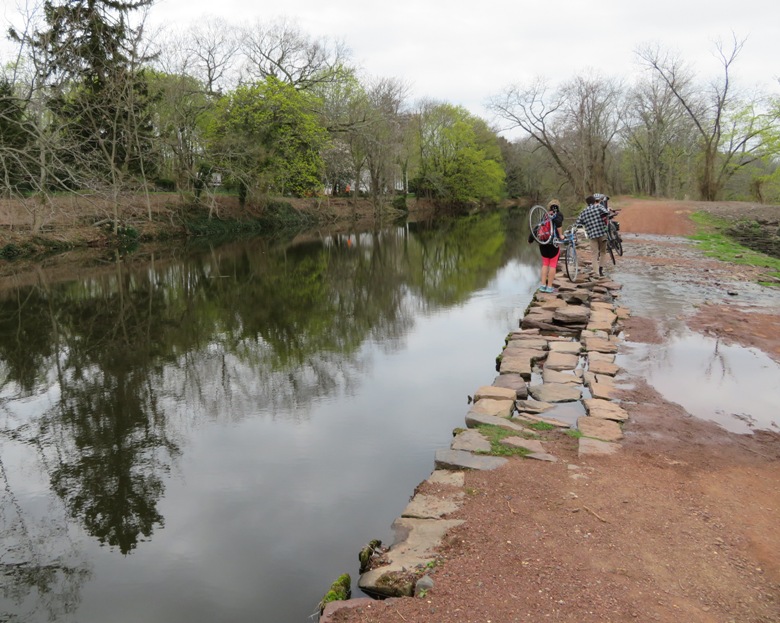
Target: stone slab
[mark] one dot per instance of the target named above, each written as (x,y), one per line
(572,348)
(555,376)
(495,393)
(513,381)
(423,506)
(605,410)
(532,445)
(475,419)
(447,477)
(470,440)
(458,459)
(606,430)
(561,361)
(596,447)
(603,367)
(490,406)
(416,542)
(555,392)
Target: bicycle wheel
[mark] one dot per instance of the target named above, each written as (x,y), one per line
(609,247)
(570,261)
(617,241)
(536,218)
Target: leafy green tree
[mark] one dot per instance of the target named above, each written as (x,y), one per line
(460,159)
(268,138)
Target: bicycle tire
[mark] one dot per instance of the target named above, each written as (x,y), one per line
(617,241)
(536,217)
(570,261)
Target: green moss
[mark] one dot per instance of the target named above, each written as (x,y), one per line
(494,434)
(540,426)
(340,590)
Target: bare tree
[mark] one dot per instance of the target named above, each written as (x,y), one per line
(576,125)
(733,130)
(281,50)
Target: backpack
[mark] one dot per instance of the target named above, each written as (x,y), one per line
(545,230)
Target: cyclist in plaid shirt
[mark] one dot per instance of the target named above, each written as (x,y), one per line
(594,219)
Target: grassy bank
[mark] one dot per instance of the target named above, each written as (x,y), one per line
(740,242)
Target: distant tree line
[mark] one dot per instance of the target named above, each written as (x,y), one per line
(94,104)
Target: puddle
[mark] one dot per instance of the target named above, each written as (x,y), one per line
(734,386)
(566,412)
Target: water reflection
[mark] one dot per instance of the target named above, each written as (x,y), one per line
(733,386)
(113,383)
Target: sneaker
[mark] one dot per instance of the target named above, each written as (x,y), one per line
(550,290)
(542,288)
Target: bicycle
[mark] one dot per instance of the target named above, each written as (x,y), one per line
(570,254)
(542,226)
(614,241)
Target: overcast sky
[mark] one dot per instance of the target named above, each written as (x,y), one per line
(464,51)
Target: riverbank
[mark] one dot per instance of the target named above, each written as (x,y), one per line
(680,524)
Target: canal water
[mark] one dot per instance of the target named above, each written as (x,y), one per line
(213,434)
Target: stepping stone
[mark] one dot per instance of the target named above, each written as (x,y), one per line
(596,447)
(476,419)
(530,418)
(532,445)
(541,456)
(569,347)
(599,344)
(605,410)
(458,459)
(572,314)
(415,545)
(601,305)
(595,356)
(533,406)
(490,406)
(471,441)
(555,392)
(528,342)
(601,386)
(423,506)
(566,378)
(561,361)
(514,382)
(494,393)
(603,367)
(623,313)
(606,430)
(447,477)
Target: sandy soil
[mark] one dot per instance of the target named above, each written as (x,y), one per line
(680,526)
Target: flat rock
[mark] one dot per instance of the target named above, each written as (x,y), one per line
(532,445)
(345,604)
(596,447)
(533,406)
(512,381)
(569,347)
(416,542)
(596,356)
(605,410)
(476,419)
(458,459)
(423,506)
(599,344)
(530,418)
(495,393)
(572,314)
(555,392)
(561,361)
(603,367)
(491,406)
(470,440)
(447,477)
(542,456)
(606,430)
(555,376)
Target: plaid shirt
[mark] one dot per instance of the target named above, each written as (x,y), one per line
(593,218)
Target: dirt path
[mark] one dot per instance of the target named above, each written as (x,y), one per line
(680,526)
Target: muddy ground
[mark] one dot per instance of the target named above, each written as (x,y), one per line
(682,524)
